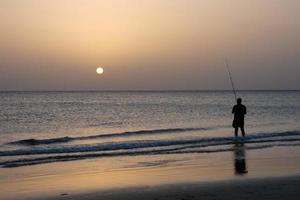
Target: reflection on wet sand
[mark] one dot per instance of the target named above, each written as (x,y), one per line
(240,165)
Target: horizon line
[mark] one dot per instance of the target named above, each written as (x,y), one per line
(200,90)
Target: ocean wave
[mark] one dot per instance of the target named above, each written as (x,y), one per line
(32,141)
(73,157)
(140,144)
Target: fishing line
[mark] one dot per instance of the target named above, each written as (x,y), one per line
(231,81)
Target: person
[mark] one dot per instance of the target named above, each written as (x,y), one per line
(239,111)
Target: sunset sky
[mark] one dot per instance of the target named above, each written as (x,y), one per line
(149,44)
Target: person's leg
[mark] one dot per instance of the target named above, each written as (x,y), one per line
(236,129)
(243,131)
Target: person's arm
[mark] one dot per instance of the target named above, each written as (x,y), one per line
(245,110)
(233,110)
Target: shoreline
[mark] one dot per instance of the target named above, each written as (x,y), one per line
(183,177)
(286,187)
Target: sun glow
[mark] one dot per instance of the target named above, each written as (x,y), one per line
(100,70)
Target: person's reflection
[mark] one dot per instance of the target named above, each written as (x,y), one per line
(240,158)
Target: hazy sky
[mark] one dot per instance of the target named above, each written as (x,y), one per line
(149,44)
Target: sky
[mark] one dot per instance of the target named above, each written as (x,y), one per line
(149,44)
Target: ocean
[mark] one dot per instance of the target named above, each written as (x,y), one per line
(48,127)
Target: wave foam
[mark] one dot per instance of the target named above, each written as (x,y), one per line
(139,144)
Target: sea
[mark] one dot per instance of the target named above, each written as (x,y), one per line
(50,127)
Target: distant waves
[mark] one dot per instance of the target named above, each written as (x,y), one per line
(123,134)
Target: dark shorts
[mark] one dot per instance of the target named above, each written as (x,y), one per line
(238,123)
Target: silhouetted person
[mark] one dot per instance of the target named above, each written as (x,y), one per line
(240,159)
(239,111)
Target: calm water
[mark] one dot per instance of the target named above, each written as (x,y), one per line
(44,127)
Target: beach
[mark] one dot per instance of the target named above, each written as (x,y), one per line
(262,188)
(270,174)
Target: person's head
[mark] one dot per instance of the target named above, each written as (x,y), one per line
(239,100)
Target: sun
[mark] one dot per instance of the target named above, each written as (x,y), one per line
(100,70)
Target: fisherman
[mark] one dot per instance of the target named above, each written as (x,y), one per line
(239,111)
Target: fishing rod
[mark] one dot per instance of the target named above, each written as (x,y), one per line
(230,77)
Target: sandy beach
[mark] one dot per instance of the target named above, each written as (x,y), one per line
(270,174)
(259,188)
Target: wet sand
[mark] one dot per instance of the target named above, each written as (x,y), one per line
(228,175)
(287,188)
